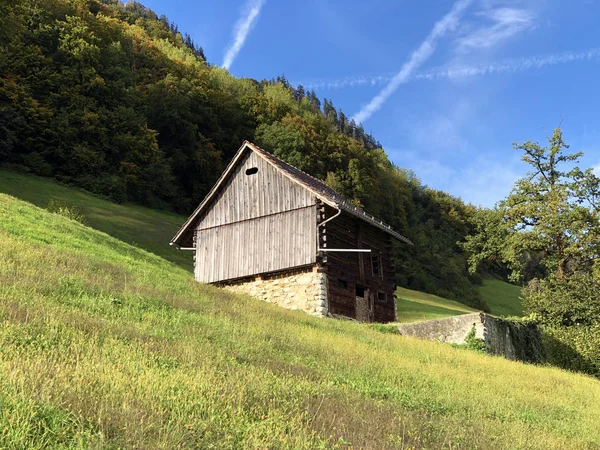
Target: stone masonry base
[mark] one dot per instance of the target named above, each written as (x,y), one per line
(304,290)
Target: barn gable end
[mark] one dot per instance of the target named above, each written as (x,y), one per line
(258,221)
(254,189)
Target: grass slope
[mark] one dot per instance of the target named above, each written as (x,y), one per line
(503,298)
(146,228)
(415,306)
(103,345)
(152,230)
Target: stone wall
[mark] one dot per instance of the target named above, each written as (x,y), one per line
(304,290)
(513,340)
(502,337)
(451,330)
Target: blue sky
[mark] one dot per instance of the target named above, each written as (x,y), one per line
(450,84)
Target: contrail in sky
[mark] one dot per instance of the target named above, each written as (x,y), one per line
(418,57)
(511,65)
(505,66)
(240,32)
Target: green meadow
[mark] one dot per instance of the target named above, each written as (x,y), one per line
(105,345)
(501,297)
(143,227)
(415,306)
(152,230)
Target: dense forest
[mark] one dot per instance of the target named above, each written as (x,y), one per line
(112,98)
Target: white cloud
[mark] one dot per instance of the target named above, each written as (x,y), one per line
(511,65)
(493,23)
(240,32)
(481,181)
(500,25)
(340,83)
(417,58)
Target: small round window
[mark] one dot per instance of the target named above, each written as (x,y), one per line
(251,170)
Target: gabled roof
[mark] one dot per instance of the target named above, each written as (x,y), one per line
(323,192)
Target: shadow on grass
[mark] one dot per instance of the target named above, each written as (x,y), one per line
(562,353)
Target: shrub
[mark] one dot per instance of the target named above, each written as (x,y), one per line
(472,342)
(568,312)
(384,328)
(564,303)
(68,211)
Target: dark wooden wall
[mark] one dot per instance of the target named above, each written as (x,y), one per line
(346,271)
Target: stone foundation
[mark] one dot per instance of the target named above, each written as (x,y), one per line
(304,290)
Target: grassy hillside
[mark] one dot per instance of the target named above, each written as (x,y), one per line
(502,298)
(103,345)
(415,306)
(152,230)
(146,228)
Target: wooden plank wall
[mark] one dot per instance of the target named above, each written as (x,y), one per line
(347,270)
(246,197)
(265,244)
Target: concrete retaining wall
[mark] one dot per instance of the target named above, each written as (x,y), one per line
(512,340)
(451,330)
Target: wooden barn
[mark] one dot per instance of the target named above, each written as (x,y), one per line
(275,232)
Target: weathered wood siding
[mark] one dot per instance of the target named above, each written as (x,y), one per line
(265,244)
(246,197)
(346,271)
(259,222)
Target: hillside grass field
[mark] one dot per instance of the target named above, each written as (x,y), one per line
(144,227)
(152,230)
(415,306)
(501,297)
(105,345)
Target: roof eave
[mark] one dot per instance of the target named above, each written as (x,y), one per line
(209,196)
(389,231)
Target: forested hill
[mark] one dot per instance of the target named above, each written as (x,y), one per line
(114,99)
